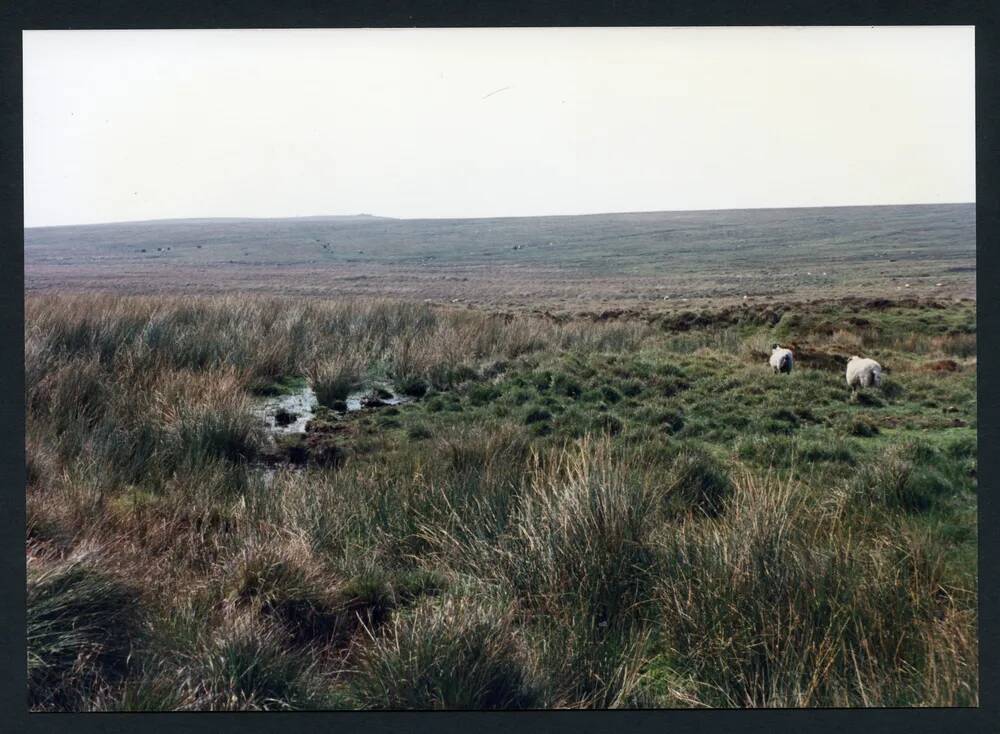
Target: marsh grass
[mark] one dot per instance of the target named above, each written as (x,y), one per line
(458,653)
(81,626)
(812,618)
(572,514)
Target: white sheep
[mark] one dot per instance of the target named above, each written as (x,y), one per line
(781,359)
(863,373)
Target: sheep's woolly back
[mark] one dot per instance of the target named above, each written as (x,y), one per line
(863,372)
(781,359)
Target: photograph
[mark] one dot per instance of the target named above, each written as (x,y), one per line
(500,368)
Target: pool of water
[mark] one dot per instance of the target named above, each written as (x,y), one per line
(302,404)
(354,400)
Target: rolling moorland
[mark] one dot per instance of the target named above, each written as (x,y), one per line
(585,503)
(565,264)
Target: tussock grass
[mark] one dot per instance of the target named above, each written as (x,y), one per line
(81,626)
(251,668)
(456,654)
(572,513)
(333,382)
(812,617)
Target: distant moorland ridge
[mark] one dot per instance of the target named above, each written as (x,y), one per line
(555,260)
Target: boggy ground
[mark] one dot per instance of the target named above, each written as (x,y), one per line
(614,510)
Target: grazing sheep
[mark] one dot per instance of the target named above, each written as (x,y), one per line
(863,373)
(781,359)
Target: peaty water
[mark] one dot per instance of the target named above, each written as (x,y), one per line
(302,404)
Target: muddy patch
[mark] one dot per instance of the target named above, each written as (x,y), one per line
(313,448)
(941,365)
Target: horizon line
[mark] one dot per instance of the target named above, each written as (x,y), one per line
(364,215)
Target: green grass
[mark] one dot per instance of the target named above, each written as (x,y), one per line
(571,514)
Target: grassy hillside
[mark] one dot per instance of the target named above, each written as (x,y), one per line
(566,262)
(570,513)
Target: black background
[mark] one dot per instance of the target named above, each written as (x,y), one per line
(17,16)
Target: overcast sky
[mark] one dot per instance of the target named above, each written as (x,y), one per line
(127,125)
